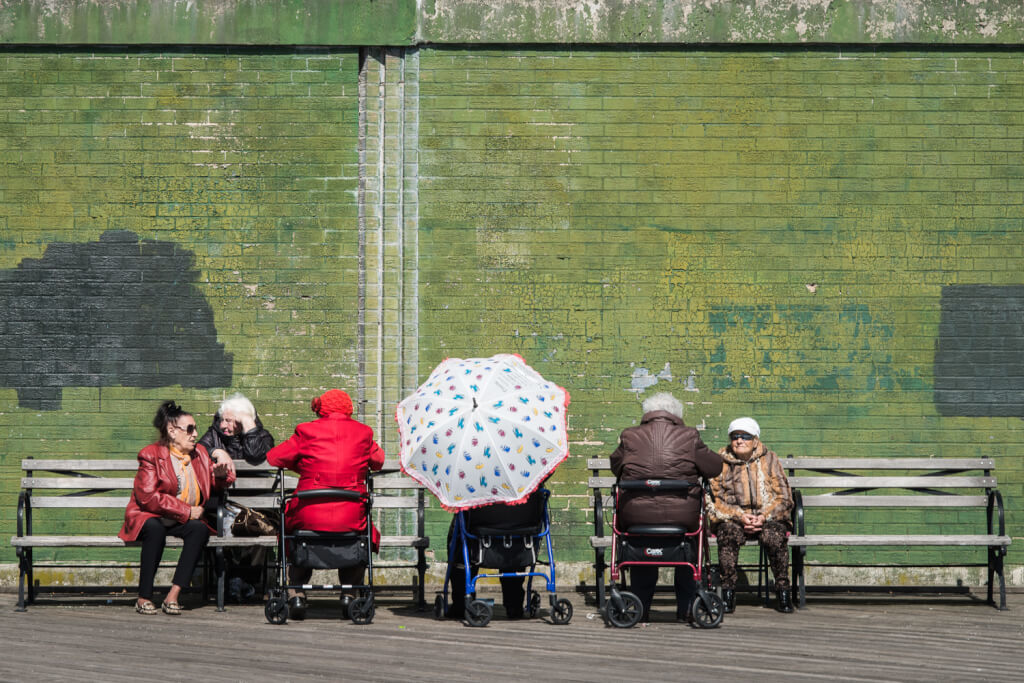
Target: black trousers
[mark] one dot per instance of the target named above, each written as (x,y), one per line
(643,581)
(153,536)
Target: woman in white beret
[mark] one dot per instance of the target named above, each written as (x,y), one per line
(751,502)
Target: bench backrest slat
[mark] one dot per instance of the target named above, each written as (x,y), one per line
(852,482)
(895,501)
(118,502)
(94,483)
(959,464)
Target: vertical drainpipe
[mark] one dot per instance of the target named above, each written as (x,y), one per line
(361,227)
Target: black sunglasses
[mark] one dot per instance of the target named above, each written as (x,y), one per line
(742,437)
(191,429)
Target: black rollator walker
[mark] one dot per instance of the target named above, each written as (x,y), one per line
(662,545)
(325,550)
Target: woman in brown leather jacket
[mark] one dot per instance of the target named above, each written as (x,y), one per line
(662,447)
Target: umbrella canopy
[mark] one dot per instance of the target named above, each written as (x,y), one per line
(482,431)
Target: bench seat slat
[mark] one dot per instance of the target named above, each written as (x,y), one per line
(895,501)
(910,540)
(891,482)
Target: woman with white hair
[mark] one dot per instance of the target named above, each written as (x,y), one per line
(662,447)
(752,501)
(237,432)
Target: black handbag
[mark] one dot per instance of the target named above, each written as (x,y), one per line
(329,551)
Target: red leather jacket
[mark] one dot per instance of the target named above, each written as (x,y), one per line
(333,451)
(155,493)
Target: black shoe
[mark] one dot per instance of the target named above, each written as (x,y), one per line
(785,601)
(346,603)
(729,598)
(297,608)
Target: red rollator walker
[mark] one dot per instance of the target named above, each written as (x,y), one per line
(662,545)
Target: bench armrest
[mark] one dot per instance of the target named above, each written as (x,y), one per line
(24,514)
(995,502)
(798,513)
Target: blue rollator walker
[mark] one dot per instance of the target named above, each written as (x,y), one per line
(490,537)
(324,550)
(662,545)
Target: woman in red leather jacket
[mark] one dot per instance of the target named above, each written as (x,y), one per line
(172,484)
(334,451)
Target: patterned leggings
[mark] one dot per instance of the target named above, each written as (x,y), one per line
(731,536)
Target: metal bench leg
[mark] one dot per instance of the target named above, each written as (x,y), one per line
(995,567)
(762,571)
(220,568)
(798,575)
(599,567)
(22,575)
(421,571)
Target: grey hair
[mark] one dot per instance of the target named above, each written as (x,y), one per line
(237,404)
(664,401)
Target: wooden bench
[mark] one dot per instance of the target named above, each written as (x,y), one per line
(600,483)
(917,485)
(395,498)
(101,489)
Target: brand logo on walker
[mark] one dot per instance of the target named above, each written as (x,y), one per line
(654,483)
(654,552)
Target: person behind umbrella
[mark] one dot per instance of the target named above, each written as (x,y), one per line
(752,501)
(498,516)
(662,447)
(238,435)
(174,480)
(333,451)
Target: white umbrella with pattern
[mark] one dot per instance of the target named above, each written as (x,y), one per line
(483,430)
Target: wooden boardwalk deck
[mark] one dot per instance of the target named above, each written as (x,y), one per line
(916,638)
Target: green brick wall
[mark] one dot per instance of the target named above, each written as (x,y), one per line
(247,161)
(763,233)
(775,233)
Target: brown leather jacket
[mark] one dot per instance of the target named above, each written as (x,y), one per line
(662,447)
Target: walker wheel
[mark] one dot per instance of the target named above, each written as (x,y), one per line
(478,613)
(561,612)
(534,607)
(361,610)
(439,607)
(624,612)
(707,610)
(276,610)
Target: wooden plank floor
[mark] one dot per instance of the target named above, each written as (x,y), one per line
(917,638)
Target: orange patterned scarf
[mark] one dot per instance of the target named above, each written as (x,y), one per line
(188,484)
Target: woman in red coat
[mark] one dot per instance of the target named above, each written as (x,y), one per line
(171,486)
(334,451)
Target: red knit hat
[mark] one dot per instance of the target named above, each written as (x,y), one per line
(332,401)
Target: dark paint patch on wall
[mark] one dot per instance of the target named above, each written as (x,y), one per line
(979,356)
(120,311)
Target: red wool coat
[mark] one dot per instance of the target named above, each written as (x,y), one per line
(155,493)
(333,451)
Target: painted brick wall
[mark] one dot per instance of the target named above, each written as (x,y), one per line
(828,240)
(154,201)
(782,234)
